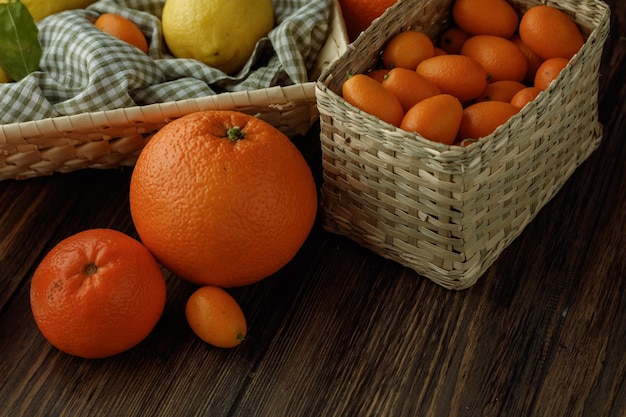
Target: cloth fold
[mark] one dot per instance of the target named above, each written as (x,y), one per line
(83,69)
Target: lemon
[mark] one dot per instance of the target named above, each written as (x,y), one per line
(220,33)
(42,8)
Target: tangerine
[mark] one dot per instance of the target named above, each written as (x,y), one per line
(436,118)
(409,86)
(123,29)
(458,75)
(97,293)
(370,96)
(525,96)
(407,49)
(482,119)
(501,91)
(222,198)
(486,17)
(359,14)
(550,33)
(502,59)
(548,71)
(216,317)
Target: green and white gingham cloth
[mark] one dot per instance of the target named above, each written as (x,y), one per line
(83,69)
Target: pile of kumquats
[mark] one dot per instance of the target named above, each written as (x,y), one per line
(481,71)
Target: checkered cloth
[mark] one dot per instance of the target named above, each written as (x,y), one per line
(83,69)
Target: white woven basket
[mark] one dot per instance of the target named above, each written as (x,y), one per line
(448,211)
(115,138)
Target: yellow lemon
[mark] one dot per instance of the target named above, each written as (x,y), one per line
(42,8)
(220,33)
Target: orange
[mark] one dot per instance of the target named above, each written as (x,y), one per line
(222,198)
(436,118)
(458,75)
(532,59)
(407,49)
(359,14)
(548,71)
(502,59)
(215,317)
(550,33)
(482,119)
(439,51)
(525,96)
(378,74)
(370,96)
(123,29)
(409,87)
(452,39)
(97,293)
(485,17)
(501,91)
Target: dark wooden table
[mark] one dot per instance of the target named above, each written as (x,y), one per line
(342,332)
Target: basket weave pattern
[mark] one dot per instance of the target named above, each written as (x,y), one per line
(447,211)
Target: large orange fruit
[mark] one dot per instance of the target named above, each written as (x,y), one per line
(359,14)
(97,293)
(222,198)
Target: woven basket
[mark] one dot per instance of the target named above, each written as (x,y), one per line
(448,211)
(114,138)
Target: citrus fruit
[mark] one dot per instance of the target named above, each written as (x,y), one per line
(359,14)
(452,39)
(525,96)
(550,33)
(548,71)
(97,293)
(502,59)
(222,198)
(485,17)
(123,29)
(220,33)
(458,75)
(216,317)
(409,86)
(368,95)
(532,59)
(407,49)
(43,8)
(501,91)
(436,118)
(378,74)
(482,119)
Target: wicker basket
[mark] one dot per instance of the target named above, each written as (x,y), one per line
(448,211)
(114,138)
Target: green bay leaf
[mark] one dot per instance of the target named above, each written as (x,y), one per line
(20,50)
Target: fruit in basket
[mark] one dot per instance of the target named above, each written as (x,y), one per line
(358,15)
(501,91)
(220,33)
(532,59)
(43,8)
(502,59)
(482,119)
(368,95)
(123,29)
(97,293)
(222,198)
(486,17)
(458,75)
(548,71)
(409,86)
(525,96)
(436,118)
(452,39)
(216,317)
(550,33)
(407,49)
